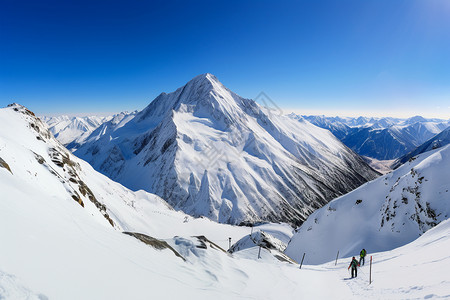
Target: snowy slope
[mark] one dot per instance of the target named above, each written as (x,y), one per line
(54,248)
(388,212)
(418,270)
(210,152)
(440,140)
(415,271)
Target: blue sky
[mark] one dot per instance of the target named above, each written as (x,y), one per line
(380,57)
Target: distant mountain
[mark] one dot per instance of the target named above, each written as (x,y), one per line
(381,138)
(381,215)
(440,140)
(212,153)
(104,128)
(73,130)
(336,125)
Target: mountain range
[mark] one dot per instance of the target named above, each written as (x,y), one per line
(380,138)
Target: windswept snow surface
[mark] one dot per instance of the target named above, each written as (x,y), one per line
(210,152)
(383,214)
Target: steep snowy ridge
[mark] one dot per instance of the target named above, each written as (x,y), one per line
(210,152)
(52,169)
(440,140)
(388,212)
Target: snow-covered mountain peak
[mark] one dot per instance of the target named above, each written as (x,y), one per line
(204,95)
(415,119)
(213,153)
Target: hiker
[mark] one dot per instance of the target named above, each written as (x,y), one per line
(362,255)
(354,264)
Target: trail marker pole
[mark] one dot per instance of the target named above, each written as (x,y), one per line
(337,255)
(370,274)
(259,252)
(229,243)
(252,230)
(302,260)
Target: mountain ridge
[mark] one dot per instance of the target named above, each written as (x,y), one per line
(380,138)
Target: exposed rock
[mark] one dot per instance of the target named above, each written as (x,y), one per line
(3,164)
(155,243)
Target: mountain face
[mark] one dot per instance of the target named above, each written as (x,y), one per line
(210,152)
(381,215)
(72,131)
(59,215)
(45,228)
(440,140)
(380,138)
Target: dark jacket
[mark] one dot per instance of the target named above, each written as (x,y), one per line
(354,263)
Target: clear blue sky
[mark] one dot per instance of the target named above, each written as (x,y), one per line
(372,57)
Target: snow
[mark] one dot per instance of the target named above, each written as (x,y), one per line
(81,255)
(210,152)
(437,141)
(383,214)
(415,271)
(54,248)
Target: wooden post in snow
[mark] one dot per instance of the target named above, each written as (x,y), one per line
(370,274)
(337,255)
(259,252)
(229,243)
(302,260)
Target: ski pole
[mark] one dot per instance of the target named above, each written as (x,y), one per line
(302,260)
